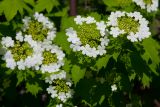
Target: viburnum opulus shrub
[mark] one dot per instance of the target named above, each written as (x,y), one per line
(105,59)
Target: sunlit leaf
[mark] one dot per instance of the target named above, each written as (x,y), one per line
(11,7)
(77,73)
(33,88)
(46,4)
(151,55)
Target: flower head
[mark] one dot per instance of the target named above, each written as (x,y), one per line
(52,58)
(131,24)
(39,27)
(21,52)
(150,5)
(89,36)
(59,86)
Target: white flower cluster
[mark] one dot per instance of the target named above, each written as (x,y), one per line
(57,92)
(29,62)
(36,59)
(51,34)
(143,29)
(76,43)
(54,66)
(153,6)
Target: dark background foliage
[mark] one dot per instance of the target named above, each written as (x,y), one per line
(134,68)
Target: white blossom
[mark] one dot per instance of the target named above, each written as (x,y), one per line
(7,42)
(114,87)
(54,76)
(10,63)
(79,20)
(19,36)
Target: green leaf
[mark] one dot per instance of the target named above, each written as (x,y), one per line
(46,4)
(102,99)
(77,73)
(2,50)
(31,2)
(141,68)
(151,55)
(61,40)
(67,22)
(117,3)
(33,88)
(138,64)
(21,76)
(11,7)
(67,65)
(96,16)
(102,62)
(132,76)
(146,80)
(62,13)
(115,55)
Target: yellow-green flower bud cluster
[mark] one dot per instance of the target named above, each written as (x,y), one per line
(89,34)
(61,86)
(21,51)
(128,24)
(148,1)
(39,28)
(37,31)
(49,57)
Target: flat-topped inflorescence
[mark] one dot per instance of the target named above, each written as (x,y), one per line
(52,58)
(89,36)
(23,52)
(131,24)
(39,27)
(150,5)
(59,86)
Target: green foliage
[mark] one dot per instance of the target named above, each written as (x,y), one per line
(124,5)
(117,3)
(151,54)
(46,4)
(77,73)
(133,67)
(102,62)
(141,69)
(21,76)
(33,88)
(61,40)
(146,80)
(11,7)
(62,13)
